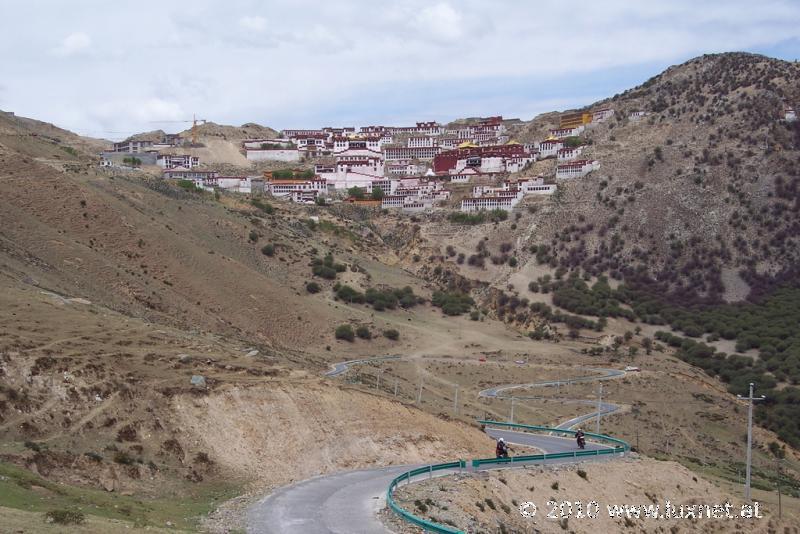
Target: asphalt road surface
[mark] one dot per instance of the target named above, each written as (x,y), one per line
(345,503)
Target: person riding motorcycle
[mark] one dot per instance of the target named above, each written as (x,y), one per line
(502,448)
(579,437)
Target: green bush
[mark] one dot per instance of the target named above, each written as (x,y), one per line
(466,218)
(266,207)
(454,303)
(268,250)
(66,517)
(392,334)
(313,287)
(348,294)
(363,332)
(326,267)
(356,193)
(188,185)
(345,332)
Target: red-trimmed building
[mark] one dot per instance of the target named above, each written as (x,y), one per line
(472,156)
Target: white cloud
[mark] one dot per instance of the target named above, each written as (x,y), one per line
(254,23)
(441,22)
(72,44)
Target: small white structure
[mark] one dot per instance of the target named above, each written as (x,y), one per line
(425,141)
(404,153)
(182,173)
(563,133)
(172,161)
(287,188)
(344,144)
(403,168)
(636,115)
(550,147)
(576,169)
(789,115)
(504,202)
(232,184)
(536,186)
(464,176)
(569,153)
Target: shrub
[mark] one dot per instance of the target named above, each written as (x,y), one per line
(263,206)
(253,236)
(350,295)
(313,287)
(363,332)
(356,193)
(345,332)
(459,217)
(392,334)
(452,303)
(512,262)
(268,250)
(582,474)
(188,185)
(66,517)
(122,457)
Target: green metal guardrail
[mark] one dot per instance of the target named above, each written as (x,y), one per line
(428,526)
(619,447)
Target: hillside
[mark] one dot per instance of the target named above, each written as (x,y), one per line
(695,207)
(118,290)
(707,181)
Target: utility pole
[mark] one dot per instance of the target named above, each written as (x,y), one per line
(750,400)
(599,404)
(378,382)
(395,387)
(419,394)
(778,464)
(455,403)
(512,410)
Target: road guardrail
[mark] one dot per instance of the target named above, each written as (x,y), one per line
(617,446)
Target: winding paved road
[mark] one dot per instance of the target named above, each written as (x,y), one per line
(333,504)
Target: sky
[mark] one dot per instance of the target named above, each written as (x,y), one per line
(110,69)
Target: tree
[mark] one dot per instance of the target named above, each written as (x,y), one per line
(313,287)
(377,193)
(356,193)
(363,332)
(345,332)
(392,334)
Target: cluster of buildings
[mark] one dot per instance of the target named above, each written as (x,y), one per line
(403,167)
(387,157)
(562,143)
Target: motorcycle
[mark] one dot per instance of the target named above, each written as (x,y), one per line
(581,442)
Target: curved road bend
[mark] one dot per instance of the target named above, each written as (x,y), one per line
(334,504)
